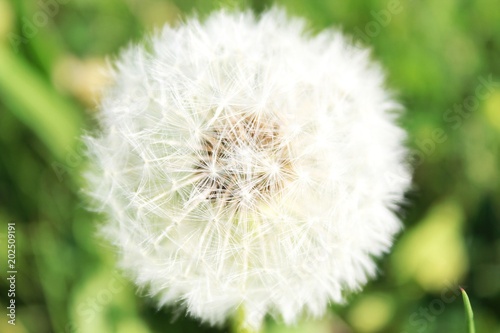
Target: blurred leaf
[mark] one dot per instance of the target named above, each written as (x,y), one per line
(35,103)
(433,253)
(371,313)
(492,110)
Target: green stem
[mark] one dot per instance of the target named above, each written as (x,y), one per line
(468,310)
(56,121)
(239,323)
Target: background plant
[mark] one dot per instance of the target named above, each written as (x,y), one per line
(437,54)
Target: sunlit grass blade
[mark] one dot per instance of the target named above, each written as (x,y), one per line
(468,310)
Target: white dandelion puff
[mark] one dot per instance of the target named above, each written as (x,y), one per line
(243,164)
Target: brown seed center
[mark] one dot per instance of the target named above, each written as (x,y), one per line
(242,161)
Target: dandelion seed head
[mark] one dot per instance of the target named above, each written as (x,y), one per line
(243,163)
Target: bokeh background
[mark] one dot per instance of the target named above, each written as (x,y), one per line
(443,58)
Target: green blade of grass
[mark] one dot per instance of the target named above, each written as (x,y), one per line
(468,310)
(239,323)
(54,120)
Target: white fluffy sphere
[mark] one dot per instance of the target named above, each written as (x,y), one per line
(244,163)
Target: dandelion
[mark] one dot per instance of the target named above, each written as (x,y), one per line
(247,165)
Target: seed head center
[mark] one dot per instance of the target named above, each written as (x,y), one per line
(242,161)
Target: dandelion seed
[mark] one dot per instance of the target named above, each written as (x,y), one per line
(242,164)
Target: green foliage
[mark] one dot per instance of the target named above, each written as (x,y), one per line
(442,62)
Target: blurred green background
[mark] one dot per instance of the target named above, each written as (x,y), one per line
(443,58)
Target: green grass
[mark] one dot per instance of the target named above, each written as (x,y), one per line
(437,55)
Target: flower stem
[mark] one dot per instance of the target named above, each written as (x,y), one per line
(240,325)
(468,309)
